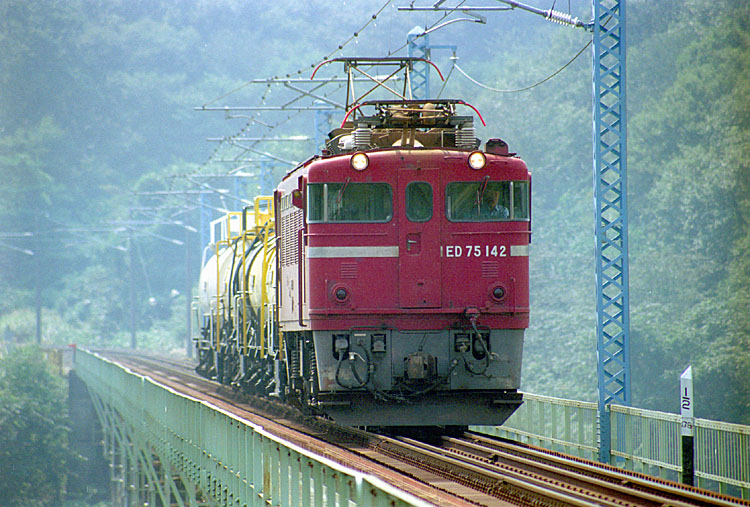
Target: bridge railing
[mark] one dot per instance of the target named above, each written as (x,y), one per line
(232,460)
(567,426)
(646,441)
(722,456)
(641,440)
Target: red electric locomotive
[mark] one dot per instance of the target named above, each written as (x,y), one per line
(402,270)
(386,281)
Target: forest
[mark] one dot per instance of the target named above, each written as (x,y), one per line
(104,160)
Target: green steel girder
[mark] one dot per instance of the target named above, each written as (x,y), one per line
(135,478)
(206,451)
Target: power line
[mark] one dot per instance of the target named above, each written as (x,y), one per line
(448,12)
(289,78)
(525,87)
(286,82)
(313,65)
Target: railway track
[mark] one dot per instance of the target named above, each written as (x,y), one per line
(518,472)
(466,469)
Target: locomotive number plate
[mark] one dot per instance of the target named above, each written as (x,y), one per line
(456,251)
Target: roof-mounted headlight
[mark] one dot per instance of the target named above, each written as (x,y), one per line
(359,161)
(477,160)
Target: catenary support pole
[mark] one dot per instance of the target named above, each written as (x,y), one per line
(611,218)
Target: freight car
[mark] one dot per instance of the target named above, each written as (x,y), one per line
(385,283)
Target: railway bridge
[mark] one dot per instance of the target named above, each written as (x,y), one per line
(169,440)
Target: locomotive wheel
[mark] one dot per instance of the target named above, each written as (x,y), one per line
(304,384)
(205,362)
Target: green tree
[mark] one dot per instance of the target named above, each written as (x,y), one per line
(33,431)
(689,214)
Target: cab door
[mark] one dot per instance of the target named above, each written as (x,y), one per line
(419,238)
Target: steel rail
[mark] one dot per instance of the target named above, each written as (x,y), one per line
(599,491)
(503,483)
(633,483)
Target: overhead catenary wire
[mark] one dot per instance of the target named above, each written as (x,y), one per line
(220,148)
(229,139)
(450,72)
(299,72)
(497,90)
(429,28)
(315,64)
(538,82)
(340,47)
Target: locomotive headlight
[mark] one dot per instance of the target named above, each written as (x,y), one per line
(477,160)
(359,161)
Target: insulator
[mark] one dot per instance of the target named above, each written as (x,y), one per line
(562,18)
(362,138)
(465,138)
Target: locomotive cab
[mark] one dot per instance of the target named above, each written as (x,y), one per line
(403,271)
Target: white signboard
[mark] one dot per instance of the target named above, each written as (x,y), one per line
(686,402)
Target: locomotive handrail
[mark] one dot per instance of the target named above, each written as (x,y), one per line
(300,274)
(263,287)
(243,284)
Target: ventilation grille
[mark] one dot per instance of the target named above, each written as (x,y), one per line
(489,269)
(291,224)
(465,138)
(349,270)
(362,138)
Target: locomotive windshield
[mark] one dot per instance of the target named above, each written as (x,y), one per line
(350,202)
(418,201)
(480,201)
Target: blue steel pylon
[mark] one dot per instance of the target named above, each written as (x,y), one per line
(611,215)
(419,47)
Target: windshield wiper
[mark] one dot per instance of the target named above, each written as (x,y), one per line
(482,188)
(341,192)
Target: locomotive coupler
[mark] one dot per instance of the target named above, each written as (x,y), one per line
(420,366)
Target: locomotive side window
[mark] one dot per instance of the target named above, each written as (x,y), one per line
(419,201)
(520,200)
(487,201)
(349,202)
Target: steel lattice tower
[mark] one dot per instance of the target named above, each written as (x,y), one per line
(611,216)
(419,47)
